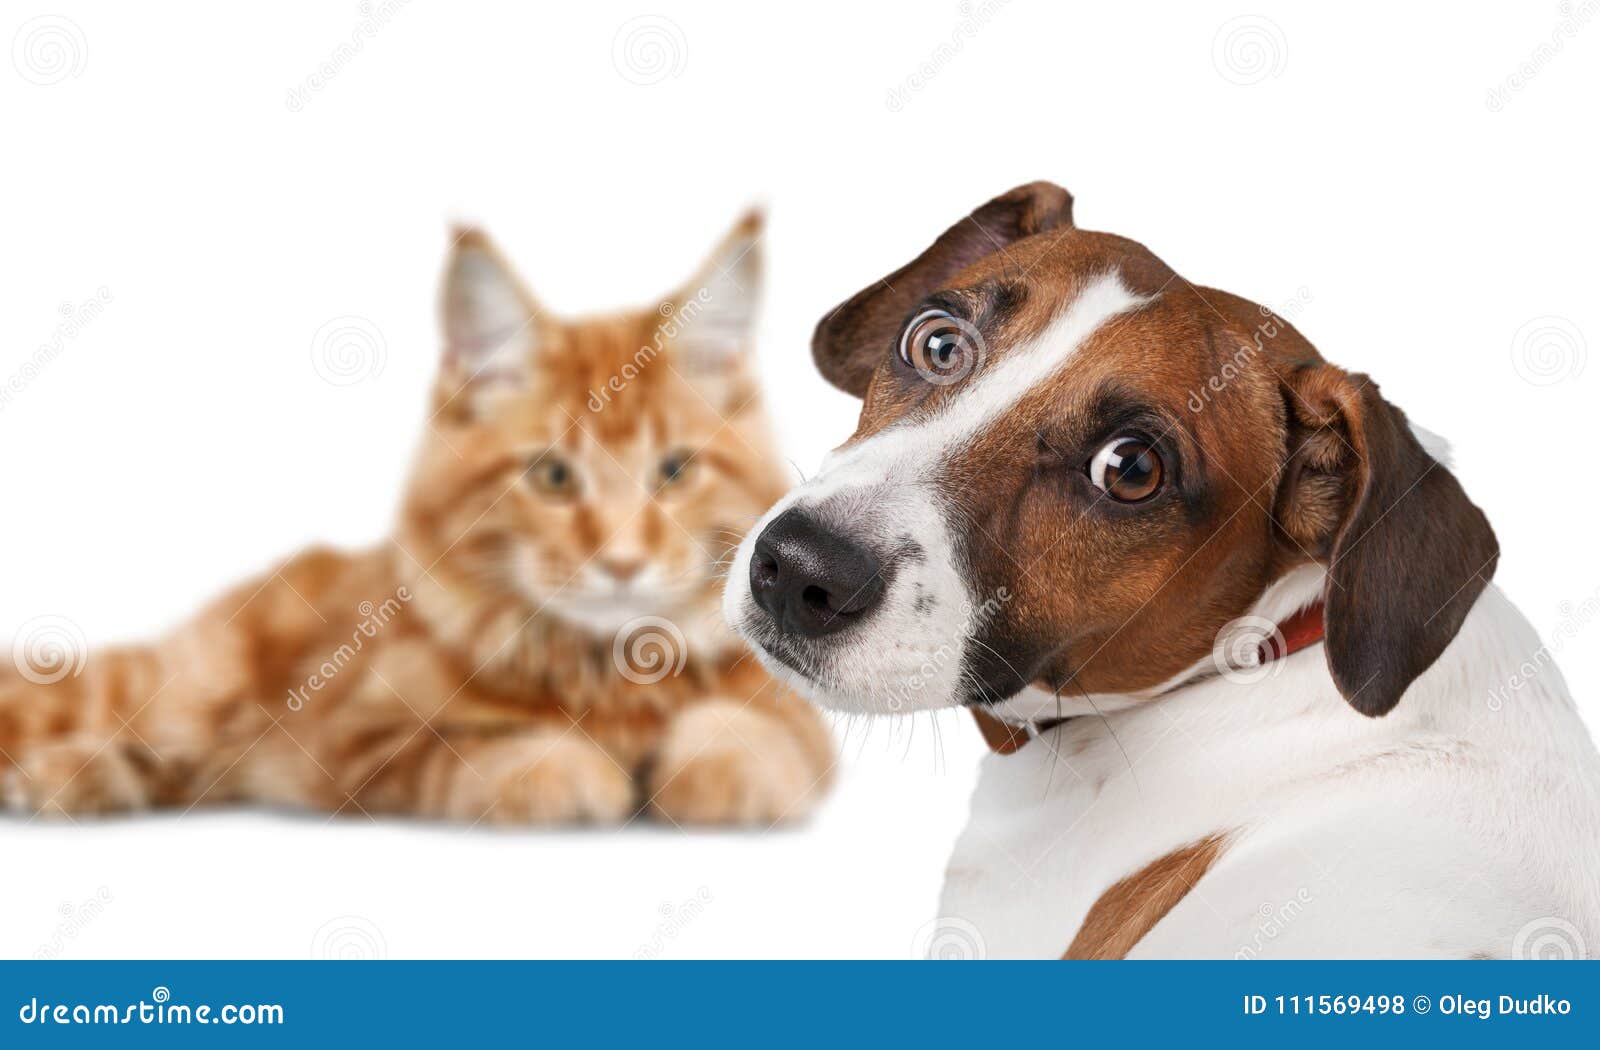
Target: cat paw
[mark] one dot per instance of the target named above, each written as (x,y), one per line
(557,779)
(725,763)
(70,779)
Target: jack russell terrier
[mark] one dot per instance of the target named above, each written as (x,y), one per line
(1223,614)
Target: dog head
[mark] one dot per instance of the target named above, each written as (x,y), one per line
(1073,469)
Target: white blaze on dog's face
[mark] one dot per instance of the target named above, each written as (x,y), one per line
(1073,469)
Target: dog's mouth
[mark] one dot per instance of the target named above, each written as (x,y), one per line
(775,646)
(859,679)
(784,657)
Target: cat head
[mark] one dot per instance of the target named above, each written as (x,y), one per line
(595,470)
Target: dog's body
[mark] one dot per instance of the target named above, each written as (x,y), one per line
(1090,498)
(1455,827)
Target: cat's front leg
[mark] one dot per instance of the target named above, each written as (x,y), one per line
(528,777)
(68,778)
(727,762)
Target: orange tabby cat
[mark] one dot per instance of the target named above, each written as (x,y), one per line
(540,641)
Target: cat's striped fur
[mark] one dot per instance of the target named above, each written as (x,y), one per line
(540,640)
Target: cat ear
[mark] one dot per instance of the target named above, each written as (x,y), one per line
(713,320)
(491,323)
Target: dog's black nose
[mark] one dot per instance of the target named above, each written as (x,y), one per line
(811,580)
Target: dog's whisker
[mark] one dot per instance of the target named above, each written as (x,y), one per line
(1072,681)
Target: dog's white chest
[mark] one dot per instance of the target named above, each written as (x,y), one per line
(1053,825)
(1407,836)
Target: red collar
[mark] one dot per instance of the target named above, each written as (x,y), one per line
(1300,631)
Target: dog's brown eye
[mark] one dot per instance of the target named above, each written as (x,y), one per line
(942,348)
(553,476)
(1126,469)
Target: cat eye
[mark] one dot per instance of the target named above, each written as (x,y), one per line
(941,347)
(1127,469)
(675,468)
(553,476)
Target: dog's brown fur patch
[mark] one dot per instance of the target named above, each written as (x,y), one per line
(1131,908)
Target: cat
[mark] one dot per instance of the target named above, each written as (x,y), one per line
(538,642)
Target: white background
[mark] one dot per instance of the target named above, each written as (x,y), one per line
(1373,162)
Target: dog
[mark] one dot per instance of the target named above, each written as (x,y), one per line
(1224,615)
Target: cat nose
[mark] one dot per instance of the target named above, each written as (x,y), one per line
(812,580)
(622,569)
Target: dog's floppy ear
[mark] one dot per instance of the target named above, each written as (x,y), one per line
(854,337)
(1407,552)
